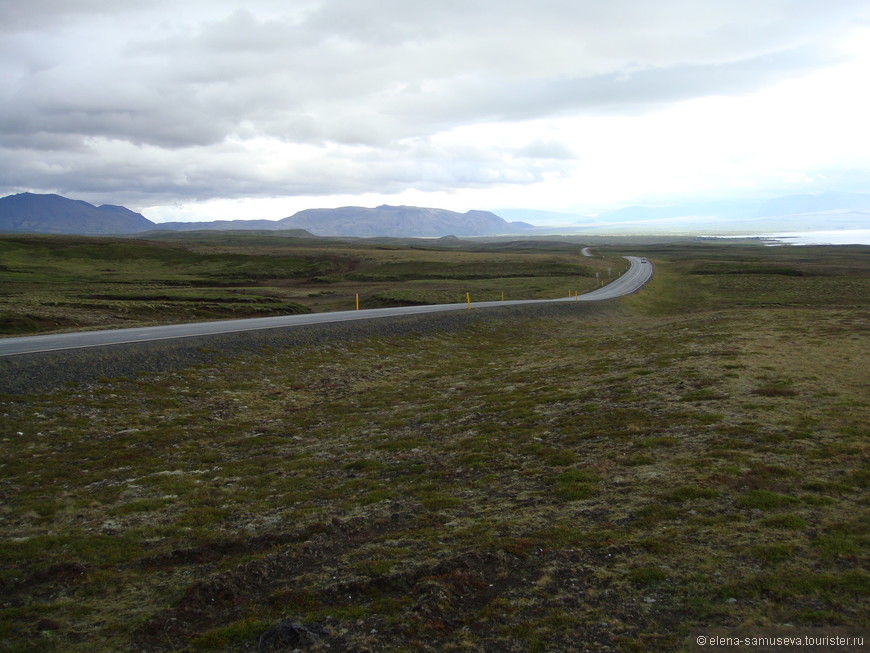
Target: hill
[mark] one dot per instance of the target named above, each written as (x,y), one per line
(386,220)
(216,235)
(54,214)
(221,225)
(604,478)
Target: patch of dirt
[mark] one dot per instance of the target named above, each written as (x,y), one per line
(62,574)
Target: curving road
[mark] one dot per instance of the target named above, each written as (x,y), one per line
(639,272)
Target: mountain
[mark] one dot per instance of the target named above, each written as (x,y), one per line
(820,211)
(388,220)
(722,209)
(740,209)
(542,217)
(221,225)
(54,214)
(815,203)
(382,221)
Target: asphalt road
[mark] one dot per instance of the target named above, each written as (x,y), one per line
(636,276)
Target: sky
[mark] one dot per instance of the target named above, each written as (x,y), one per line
(202,110)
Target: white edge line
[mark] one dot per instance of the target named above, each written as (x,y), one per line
(430,308)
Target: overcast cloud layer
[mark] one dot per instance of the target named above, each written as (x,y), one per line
(551,104)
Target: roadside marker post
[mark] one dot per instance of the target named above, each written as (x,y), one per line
(357,301)
(468,300)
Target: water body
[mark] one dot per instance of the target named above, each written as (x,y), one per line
(834,237)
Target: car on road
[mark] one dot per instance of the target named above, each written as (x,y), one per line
(643,260)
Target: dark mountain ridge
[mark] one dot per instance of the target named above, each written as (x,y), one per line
(386,220)
(221,225)
(54,214)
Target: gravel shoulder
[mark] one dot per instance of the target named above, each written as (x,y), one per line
(45,371)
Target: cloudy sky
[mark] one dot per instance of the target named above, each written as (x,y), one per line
(194,110)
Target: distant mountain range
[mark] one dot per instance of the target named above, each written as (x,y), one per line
(54,214)
(388,220)
(804,212)
(742,209)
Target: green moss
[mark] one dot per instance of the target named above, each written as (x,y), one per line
(509,484)
(789,522)
(773,553)
(655,513)
(765,500)
(575,485)
(690,493)
(648,575)
(238,633)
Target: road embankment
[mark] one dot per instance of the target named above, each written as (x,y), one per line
(45,371)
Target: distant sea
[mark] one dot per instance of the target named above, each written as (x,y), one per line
(837,237)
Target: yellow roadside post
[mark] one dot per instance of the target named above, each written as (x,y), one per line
(468,300)
(357,301)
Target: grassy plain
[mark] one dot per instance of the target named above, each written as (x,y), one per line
(695,455)
(51,283)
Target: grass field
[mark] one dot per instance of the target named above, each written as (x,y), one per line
(695,455)
(51,283)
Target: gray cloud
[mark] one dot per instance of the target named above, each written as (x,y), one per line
(101,96)
(138,176)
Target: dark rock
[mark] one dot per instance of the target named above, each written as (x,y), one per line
(289,635)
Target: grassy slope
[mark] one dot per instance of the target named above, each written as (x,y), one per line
(696,458)
(65,282)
